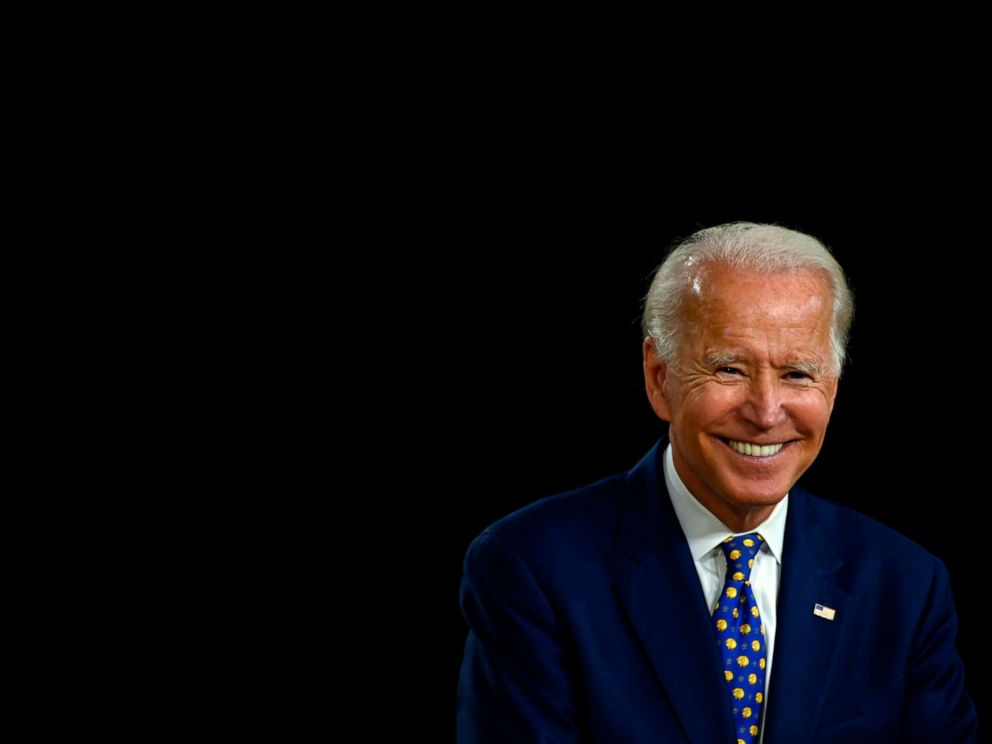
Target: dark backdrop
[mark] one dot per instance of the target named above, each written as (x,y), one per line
(528,373)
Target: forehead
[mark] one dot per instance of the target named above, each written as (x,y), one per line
(718,297)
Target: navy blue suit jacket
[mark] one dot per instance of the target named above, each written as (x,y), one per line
(587,623)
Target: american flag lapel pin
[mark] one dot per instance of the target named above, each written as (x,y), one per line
(825,612)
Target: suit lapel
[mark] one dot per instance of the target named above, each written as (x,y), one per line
(805,644)
(658,585)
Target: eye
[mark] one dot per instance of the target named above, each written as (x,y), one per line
(729,371)
(799,376)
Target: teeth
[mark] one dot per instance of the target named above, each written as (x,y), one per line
(755,450)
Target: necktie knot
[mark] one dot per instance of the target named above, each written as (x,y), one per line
(740,551)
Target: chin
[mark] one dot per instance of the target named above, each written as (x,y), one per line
(767,495)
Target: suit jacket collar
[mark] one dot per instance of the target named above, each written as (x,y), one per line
(806,645)
(660,590)
(659,587)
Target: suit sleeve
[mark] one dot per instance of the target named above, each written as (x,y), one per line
(514,685)
(938,708)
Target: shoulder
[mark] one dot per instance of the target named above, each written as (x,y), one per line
(562,513)
(857,537)
(572,526)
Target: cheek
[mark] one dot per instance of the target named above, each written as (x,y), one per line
(712,403)
(811,415)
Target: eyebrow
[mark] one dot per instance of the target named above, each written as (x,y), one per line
(814,369)
(722,359)
(726,358)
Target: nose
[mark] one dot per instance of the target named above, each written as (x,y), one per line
(763,406)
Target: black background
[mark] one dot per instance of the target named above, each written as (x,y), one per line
(171,565)
(257,552)
(529,377)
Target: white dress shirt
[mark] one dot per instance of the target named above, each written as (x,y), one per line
(705,535)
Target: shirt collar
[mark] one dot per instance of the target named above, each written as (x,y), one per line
(705,532)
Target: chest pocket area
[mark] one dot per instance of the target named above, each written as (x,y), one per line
(865,710)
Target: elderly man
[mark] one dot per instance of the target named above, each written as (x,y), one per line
(703,596)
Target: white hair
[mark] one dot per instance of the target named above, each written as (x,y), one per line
(744,246)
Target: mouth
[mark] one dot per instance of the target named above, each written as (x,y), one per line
(755,450)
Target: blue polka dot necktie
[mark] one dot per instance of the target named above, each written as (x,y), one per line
(742,637)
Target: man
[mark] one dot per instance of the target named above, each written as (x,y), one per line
(703,596)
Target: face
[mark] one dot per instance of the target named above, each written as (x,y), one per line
(751,394)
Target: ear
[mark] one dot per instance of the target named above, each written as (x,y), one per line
(656,380)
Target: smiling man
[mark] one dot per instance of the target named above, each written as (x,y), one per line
(750,391)
(650,606)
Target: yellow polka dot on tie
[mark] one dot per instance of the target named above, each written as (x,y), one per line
(731,592)
(755,646)
(758,697)
(738,576)
(745,629)
(731,644)
(753,730)
(761,538)
(738,693)
(735,554)
(728,539)
(749,543)
(741,741)
(761,663)
(750,563)
(752,679)
(762,629)
(754,613)
(728,675)
(746,712)
(735,612)
(743,661)
(721,624)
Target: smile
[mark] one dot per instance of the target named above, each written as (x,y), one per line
(755,450)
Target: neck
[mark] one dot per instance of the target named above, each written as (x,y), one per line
(738,519)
